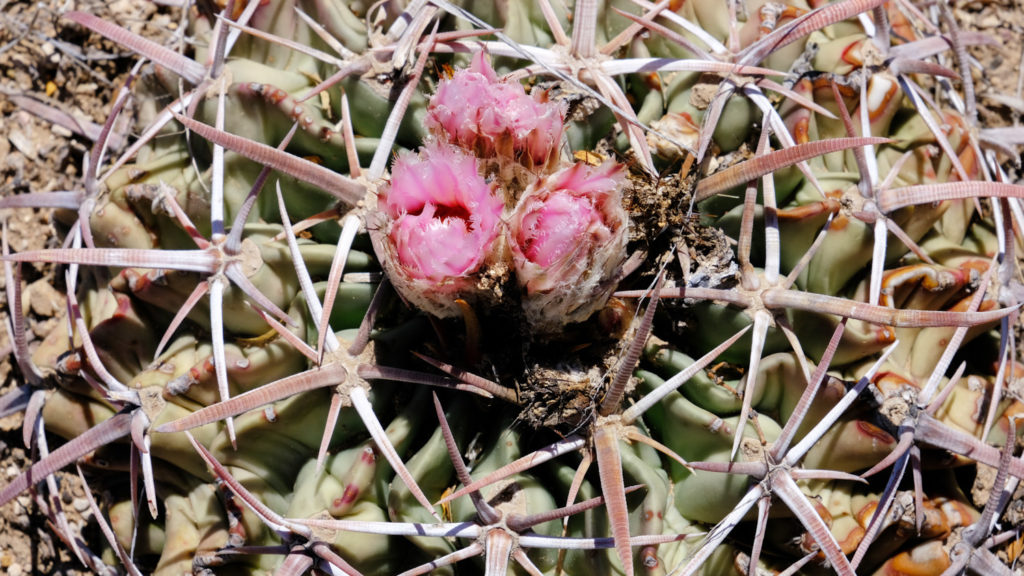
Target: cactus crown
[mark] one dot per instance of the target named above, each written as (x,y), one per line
(679,261)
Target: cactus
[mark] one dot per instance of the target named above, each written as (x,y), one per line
(451,287)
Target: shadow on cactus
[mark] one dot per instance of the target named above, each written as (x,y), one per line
(747,289)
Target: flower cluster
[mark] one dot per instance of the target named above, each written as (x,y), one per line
(568,238)
(496,119)
(442,222)
(444,228)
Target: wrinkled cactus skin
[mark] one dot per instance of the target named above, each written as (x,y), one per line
(512,225)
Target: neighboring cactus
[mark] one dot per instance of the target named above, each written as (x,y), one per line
(238,330)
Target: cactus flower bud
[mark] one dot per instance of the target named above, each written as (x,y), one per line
(496,119)
(568,239)
(441,220)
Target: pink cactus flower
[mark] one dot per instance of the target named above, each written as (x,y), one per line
(568,237)
(441,221)
(495,119)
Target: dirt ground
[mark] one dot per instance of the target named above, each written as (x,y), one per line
(48,65)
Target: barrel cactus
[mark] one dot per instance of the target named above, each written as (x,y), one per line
(693,287)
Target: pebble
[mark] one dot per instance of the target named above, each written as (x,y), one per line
(61,131)
(46,550)
(43,298)
(14,569)
(24,143)
(87,88)
(22,521)
(80,504)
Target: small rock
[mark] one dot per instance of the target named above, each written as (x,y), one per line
(14,569)
(23,142)
(702,95)
(80,504)
(16,163)
(61,131)
(45,544)
(43,329)
(12,471)
(44,299)
(86,88)
(123,7)
(22,521)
